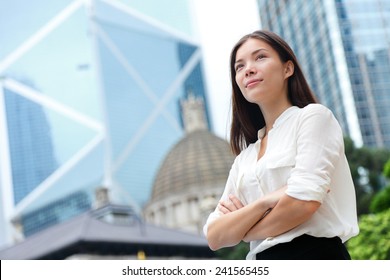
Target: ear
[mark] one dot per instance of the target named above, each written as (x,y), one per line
(288,69)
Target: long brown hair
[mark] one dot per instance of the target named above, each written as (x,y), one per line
(247,117)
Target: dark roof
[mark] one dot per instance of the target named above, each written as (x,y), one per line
(88,233)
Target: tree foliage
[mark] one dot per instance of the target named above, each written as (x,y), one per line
(386,169)
(373,241)
(366,166)
(381,201)
(237,252)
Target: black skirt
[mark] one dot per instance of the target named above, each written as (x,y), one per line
(307,247)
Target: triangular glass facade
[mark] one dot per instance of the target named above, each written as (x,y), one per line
(104,86)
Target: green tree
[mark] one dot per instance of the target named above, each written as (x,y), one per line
(237,252)
(366,166)
(381,201)
(373,241)
(386,169)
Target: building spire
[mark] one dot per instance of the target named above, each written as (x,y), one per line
(193,113)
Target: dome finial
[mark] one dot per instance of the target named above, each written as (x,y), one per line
(193,113)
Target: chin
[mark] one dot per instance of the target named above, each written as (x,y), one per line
(252,99)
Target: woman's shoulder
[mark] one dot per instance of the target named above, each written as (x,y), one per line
(321,117)
(316,109)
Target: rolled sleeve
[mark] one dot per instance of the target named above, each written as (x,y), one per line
(319,147)
(212,217)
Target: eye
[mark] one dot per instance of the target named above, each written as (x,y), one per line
(239,67)
(260,56)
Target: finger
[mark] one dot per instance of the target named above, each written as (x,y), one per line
(223,209)
(229,205)
(237,203)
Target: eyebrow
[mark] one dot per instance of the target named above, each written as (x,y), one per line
(252,54)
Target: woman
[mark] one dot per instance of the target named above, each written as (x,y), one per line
(289,192)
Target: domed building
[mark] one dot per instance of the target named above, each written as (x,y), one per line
(192,177)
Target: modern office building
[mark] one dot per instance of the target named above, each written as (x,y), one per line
(29,143)
(344,49)
(100,108)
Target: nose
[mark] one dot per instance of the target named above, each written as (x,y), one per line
(250,70)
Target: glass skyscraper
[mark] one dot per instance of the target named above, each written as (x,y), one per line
(365,31)
(29,143)
(89,97)
(344,49)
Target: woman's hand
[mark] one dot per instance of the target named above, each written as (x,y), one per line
(229,230)
(234,203)
(231,205)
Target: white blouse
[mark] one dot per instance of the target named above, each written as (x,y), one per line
(305,151)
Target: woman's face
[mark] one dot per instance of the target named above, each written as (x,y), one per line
(260,74)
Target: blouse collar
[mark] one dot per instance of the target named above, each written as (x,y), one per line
(282,118)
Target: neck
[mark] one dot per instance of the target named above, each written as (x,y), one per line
(271,113)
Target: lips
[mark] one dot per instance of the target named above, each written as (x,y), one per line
(252,82)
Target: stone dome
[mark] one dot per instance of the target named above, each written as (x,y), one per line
(192,176)
(199,160)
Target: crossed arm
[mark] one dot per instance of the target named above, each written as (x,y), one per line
(253,221)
